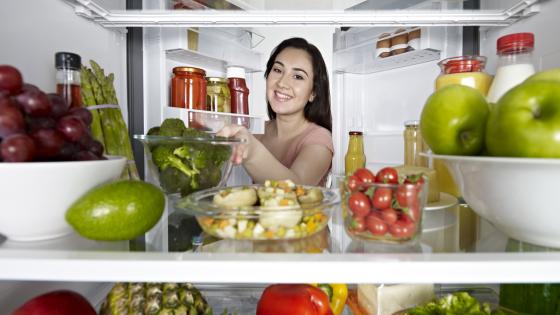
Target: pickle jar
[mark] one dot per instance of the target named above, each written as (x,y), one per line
(188,88)
(414,144)
(218,98)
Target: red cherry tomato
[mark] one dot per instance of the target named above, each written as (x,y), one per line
(375,225)
(358,224)
(365,175)
(414,212)
(407,195)
(403,228)
(387,175)
(382,197)
(389,215)
(353,183)
(359,204)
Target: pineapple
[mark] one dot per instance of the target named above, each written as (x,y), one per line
(155,299)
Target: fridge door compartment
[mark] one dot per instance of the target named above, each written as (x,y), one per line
(369,64)
(214,121)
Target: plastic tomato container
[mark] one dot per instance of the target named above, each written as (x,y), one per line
(384,212)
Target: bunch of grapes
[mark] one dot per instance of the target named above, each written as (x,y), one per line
(35,126)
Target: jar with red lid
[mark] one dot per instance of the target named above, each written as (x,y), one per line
(515,63)
(464,70)
(188,88)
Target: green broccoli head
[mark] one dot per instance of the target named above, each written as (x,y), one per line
(172,127)
(195,133)
(160,155)
(154,131)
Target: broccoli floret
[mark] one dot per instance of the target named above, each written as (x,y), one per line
(154,131)
(172,127)
(160,155)
(195,133)
(173,180)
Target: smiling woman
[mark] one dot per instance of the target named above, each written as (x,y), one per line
(297,143)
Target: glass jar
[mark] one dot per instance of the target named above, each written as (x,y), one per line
(464,70)
(188,88)
(355,157)
(414,144)
(515,63)
(68,78)
(217,95)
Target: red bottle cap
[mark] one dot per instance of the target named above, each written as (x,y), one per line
(463,64)
(355,133)
(516,43)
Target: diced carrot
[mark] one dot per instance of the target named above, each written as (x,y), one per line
(284,202)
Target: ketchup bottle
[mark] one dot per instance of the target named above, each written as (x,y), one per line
(239,94)
(68,78)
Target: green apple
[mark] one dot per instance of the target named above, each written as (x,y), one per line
(453,120)
(547,75)
(526,121)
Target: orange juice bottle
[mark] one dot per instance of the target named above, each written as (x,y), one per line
(355,157)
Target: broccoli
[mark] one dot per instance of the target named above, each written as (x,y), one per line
(172,127)
(154,131)
(173,180)
(164,156)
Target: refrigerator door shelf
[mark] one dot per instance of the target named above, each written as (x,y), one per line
(214,121)
(372,64)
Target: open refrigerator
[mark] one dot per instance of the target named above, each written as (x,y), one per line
(141,41)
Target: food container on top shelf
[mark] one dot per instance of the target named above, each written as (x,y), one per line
(399,42)
(464,70)
(182,165)
(277,210)
(383,46)
(526,210)
(35,196)
(388,212)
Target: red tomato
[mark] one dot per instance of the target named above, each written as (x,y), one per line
(358,224)
(389,215)
(387,175)
(414,212)
(403,228)
(359,204)
(382,197)
(407,195)
(353,183)
(375,225)
(365,175)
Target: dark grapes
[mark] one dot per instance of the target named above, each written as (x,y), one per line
(85,156)
(49,143)
(96,148)
(71,127)
(82,113)
(34,123)
(11,118)
(35,103)
(17,148)
(59,105)
(10,79)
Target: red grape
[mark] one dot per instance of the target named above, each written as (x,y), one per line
(17,148)
(59,105)
(82,113)
(34,123)
(35,103)
(71,127)
(49,142)
(10,79)
(85,156)
(30,87)
(67,152)
(96,148)
(11,118)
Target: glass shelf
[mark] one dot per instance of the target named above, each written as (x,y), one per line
(383,64)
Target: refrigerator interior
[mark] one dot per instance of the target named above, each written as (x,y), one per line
(385,99)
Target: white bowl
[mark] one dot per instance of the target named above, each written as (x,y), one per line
(519,196)
(36,195)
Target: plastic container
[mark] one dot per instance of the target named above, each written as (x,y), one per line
(231,220)
(515,63)
(383,46)
(239,94)
(68,78)
(399,43)
(392,214)
(464,70)
(188,88)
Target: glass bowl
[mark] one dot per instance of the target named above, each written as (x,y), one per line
(231,220)
(383,212)
(183,165)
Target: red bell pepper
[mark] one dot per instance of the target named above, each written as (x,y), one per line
(293,299)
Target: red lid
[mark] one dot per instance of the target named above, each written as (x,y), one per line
(516,43)
(355,133)
(463,64)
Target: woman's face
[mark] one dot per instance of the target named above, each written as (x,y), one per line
(289,85)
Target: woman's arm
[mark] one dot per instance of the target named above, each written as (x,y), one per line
(308,168)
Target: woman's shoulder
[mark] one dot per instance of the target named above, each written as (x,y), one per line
(315,130)
(316,134)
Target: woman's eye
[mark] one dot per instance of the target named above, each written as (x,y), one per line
(276,70)
(298,77)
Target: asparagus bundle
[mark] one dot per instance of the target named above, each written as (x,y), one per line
(108,125)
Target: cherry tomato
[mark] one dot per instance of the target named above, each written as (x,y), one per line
(358,224)
(403,228)
(359,204)
(375,225)
(387,175)
(365,175)
(407,195)
(414,212)
(353,183)
(389,215)
(382,197)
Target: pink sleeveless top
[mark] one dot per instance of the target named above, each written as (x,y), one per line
(313,134)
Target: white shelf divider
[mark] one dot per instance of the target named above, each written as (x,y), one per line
(399,61)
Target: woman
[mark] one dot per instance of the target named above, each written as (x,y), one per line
(297,142)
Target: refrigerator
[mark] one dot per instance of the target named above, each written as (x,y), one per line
(141,41)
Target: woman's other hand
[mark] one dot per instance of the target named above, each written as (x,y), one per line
(240,151)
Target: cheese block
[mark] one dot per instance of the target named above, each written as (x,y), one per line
(388,299)
(433,187)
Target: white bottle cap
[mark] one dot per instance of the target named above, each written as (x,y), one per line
(236,72)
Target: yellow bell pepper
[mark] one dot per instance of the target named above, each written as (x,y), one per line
(337,293)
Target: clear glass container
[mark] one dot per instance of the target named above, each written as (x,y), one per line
(355,157)
(68,78)
(414,144)
(464,70)
(218,98)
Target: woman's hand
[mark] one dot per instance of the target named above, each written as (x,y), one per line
(240,151)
